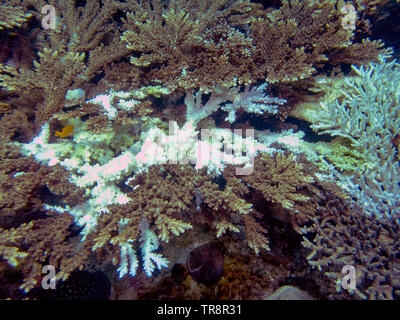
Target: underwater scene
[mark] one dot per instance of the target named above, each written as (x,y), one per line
(199,150)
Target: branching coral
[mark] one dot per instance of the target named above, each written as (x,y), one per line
(279,179)
(73,54)
(252,100)
(199,49)
(12,15)
(41,242)
(341,235)
(368,116)
(163,197)
(29,238)
(50,81)
(25,185)
(303,36)
(185,45)
(129,186)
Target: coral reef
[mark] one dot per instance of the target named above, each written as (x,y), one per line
(368,116)
(341,236)
(12,15)
(169,144)
(201,47)
(43,241)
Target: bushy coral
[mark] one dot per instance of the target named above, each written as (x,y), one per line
(341,235)
(368,116)
(12,16)
(279,179)
(49,80)
(207,52)
(201,47)
(115,72)
(41,242)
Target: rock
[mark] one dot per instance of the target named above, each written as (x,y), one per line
(289,293)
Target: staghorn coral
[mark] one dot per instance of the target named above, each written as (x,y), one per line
(128,201)
(25,185)
(278,178)
(28,237)
(185,45)
(15,126)
(83,44)
(163,196)
(160,194)
(368,117)
(49,80)
(87,29)
(200,46)
(160,201)
(303,36)
(41,242)
(343,235)
(12,15)
(204,48)
(255,234)
(342,156)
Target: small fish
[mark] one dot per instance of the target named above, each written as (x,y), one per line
(66,131)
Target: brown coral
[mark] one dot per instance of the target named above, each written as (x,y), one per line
(82,46)
(29,238)
(25,185)
(49,81)
(279,178)
(38,243)
(343,235)
(198,42)
(160,196)
(12,15)
(303,36)
(203,47)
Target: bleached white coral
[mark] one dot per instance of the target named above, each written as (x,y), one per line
(98,163)
(129,262)
(151,259)
(114,101)
(251,99)
(148,244)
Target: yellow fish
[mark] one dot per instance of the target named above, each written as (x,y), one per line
(66,131)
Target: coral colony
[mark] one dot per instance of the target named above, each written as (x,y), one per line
(206,149)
